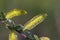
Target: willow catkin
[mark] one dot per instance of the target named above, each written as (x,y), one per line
(44,38)
(13,36)
(35,21)
(14,13)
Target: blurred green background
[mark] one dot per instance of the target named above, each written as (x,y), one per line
(51,25)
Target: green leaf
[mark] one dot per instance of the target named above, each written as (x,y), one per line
(36,37)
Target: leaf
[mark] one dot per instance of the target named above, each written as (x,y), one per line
(36,37)
(2,16)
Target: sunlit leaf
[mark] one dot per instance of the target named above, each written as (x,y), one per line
(35,21)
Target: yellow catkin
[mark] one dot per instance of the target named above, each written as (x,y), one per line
(13,36)
(35,21)
(14,13)
(44,38)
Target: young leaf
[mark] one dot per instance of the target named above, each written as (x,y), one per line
(36,37)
